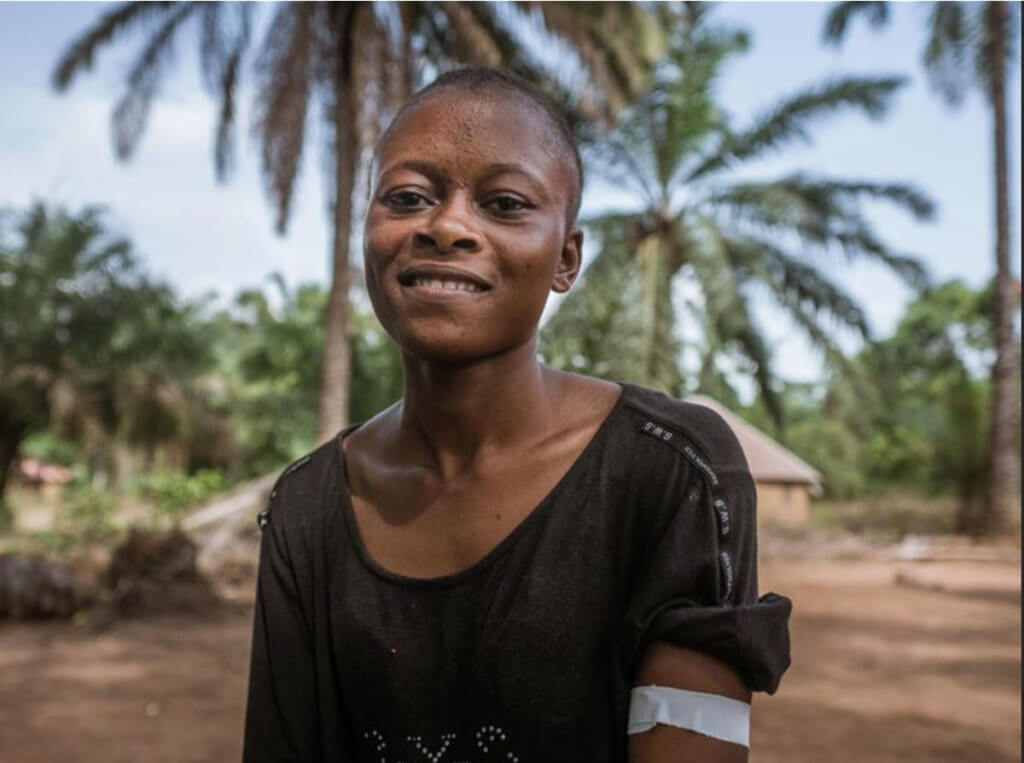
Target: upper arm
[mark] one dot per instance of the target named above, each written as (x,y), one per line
(666,665)
(281,722)
(696,620)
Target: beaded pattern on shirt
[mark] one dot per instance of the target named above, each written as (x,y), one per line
(489,744)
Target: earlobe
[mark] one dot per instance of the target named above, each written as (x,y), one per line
(569,262)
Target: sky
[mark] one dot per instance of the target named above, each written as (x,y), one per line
(204,236)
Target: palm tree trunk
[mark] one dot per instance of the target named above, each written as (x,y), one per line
(11,435)
(336,374)
(650,260)
(1004,496)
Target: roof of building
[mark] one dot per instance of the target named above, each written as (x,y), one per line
(768,460)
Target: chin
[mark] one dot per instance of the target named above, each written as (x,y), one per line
(453,347)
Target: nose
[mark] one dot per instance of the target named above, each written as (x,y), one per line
(450,227)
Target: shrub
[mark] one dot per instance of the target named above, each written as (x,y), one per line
(173,492)
(6,515)
(86,515)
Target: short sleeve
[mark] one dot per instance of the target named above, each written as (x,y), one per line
(281,712)
(698,584)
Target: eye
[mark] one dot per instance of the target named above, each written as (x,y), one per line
(506,204)
(405,200)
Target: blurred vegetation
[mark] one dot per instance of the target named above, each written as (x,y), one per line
(172,492)
(975,47)
(145,393)
(150,397)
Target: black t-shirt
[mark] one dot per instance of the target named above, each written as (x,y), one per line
(528,654)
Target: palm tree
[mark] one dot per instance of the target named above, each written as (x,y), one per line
(89,346)
(717,240)
(973,45)
(349,63)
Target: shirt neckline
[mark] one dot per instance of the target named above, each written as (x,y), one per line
(542,508)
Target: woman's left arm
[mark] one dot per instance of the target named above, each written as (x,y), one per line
(673,667)
(701,639)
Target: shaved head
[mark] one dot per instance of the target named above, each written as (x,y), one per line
(487,84)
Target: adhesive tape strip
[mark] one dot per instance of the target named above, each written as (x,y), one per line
(710,714)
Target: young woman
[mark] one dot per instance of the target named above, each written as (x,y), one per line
(511,563)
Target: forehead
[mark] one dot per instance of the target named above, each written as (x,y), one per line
(463,130)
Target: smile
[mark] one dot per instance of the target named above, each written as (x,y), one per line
(424,282)
(437,281)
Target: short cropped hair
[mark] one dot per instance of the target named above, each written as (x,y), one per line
(476,78)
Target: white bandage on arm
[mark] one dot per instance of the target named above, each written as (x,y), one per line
(708,714)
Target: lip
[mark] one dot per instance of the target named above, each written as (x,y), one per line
(442,273)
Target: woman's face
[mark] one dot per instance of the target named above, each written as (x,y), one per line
(466,233)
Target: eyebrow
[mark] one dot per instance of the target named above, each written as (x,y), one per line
(515,169)
(435,173)
(432,171)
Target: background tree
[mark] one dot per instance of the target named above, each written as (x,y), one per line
(89,345)
(973,45)
(727,239)
(269,349)
(348,64)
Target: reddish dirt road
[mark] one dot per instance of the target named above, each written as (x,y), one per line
(892,662)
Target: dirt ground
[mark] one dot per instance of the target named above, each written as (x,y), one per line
(892,661)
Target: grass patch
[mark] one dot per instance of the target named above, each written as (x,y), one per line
(887,517)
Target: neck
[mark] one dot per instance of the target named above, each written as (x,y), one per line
(460,412)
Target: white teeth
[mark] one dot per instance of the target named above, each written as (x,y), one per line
(437,283)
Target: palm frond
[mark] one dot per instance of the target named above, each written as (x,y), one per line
(791,119)
(685,112)
(130,113)
(953,33)
(284,80)
(729,321)
(813,207)
(840,15)
(473,40)
(80,54)
(596,327)
(863,242)
(224,36)
(626,164)
(595,32)
(801,286)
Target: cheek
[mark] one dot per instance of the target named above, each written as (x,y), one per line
(382,241)
(532,258)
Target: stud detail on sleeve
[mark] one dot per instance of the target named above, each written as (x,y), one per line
(723,516)
(679,443)
(297,465)
(725,562)
(262,519)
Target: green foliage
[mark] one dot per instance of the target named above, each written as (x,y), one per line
(376,367)
(908,415)
(834,451)
(931,431)
(85,516)
(172,492)
(270,352)
(6,515)
(48,446)
(91,348)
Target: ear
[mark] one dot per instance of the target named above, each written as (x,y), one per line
(569,262)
